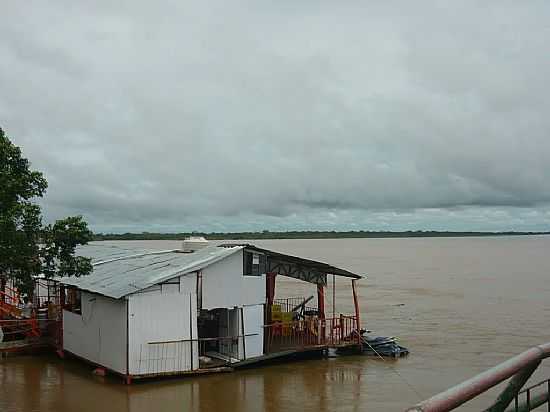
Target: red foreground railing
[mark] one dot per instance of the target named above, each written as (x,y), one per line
(519,368)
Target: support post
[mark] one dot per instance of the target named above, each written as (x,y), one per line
(2,293)
(321,301)
(191,327)
(60,321)
(199,290)
(321,310)
(242,333)
(357,314)
(270,296)
(333,296)
(270,293)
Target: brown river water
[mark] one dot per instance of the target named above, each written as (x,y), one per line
(461,305)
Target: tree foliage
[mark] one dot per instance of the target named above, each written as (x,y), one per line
(27,248)
(60,241)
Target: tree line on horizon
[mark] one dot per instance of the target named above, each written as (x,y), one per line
(266,234)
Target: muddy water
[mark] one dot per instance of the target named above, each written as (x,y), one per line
(461,305)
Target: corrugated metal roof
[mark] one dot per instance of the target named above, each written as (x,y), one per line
(117,275)
(99,251)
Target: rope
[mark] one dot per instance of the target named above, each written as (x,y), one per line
(416,392)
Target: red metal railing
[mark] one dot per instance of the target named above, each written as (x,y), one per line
(14,320)
(311,332)
(342,331)
(9,299)
(519,368)
(281,336)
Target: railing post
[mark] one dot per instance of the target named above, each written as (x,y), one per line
(534,403)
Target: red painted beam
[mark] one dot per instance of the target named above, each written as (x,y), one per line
(321,301)
(356,305)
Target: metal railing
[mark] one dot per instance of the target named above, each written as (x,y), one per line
(342,331)
(282,336)
(311,332)
(290,304)
(9,302)
(519,369)
(181,355)
(227,346)
(532,401)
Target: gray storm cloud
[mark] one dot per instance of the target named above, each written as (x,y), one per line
(295,114)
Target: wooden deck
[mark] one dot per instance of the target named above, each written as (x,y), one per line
(282,355)
(23,346)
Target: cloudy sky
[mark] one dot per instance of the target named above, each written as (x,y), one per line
(201,115)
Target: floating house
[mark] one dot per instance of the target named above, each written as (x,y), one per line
(153,313)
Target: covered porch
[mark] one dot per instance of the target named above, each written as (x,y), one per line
(298,323)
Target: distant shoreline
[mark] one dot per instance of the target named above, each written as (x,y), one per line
(305,235)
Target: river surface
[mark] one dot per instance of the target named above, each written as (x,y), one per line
(461,305)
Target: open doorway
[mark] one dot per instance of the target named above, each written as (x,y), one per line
(218,333)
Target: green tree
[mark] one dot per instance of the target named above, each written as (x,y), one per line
(27,248)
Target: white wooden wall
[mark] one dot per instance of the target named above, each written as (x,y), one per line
(161,323)
(99,334)
(224,286)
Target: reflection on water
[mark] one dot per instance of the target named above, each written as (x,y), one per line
(46,383)
(461,305)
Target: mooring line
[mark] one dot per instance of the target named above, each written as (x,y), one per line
(417,393)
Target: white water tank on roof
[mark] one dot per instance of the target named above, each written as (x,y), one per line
(194,243)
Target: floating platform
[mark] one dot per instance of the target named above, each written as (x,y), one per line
(317,351)
(24,346)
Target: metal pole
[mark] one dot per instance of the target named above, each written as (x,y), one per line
(333,296)
(191,327)
(60,320)
(242,333)
(321,301)
(321,310)
(356,304)
(3,293)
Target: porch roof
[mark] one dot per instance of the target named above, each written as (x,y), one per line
(311,271)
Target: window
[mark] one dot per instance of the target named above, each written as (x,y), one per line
(73,301)
(254,264)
